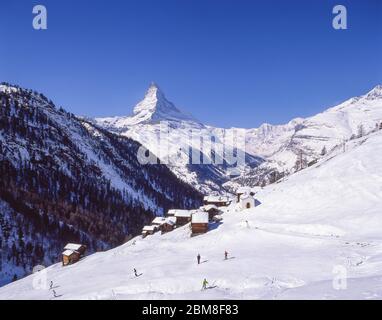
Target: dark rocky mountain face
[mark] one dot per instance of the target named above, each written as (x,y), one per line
(64,179)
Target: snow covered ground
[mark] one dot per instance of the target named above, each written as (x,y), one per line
(318,222)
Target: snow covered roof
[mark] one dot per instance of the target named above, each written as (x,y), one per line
(209,207)
(149,228)
(159,220)
(67,253)
(183,213)
(73,246)
(200,217)
(171,212)
(170,220)
(216,199)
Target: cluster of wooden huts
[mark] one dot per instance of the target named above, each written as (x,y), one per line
(198,218)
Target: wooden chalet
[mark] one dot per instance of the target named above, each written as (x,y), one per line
(158,221)
(182,217)
(72,253)
(219,201)
(149,230)
(70,257)
(171,213)
(199,222)
(211,209)
(80,248)
(168,225)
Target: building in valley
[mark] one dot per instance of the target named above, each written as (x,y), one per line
(168,225)
(247,201)
(212,210)
(219,201)
(72,253)
(158,221)
(182,217)
(149,230)
(199,222)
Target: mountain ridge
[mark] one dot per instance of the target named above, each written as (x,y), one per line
(278,148)
(66,180)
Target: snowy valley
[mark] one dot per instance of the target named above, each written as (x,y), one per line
(64,179)
(74,179)
(308,228)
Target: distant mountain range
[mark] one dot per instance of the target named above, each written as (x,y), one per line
(271,151)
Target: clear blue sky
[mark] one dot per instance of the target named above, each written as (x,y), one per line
(228,62)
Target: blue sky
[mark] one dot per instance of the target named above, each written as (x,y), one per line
(228,62)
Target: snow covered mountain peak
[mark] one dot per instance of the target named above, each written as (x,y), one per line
(153,97)
(155,108)
(375,93)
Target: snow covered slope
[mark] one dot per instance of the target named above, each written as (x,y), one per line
(64,179)
(282,144)
(271,150)
(323,219)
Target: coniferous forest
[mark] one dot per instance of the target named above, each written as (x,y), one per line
(65,180)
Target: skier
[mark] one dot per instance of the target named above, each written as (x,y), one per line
(198,258)
(51,285)
(135,272)
(225,255)
(205,282)
(246,221)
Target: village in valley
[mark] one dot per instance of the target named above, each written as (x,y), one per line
(207,215)
(200,220)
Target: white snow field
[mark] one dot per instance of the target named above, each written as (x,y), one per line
(320,221)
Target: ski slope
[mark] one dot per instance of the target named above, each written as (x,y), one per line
(325,216)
